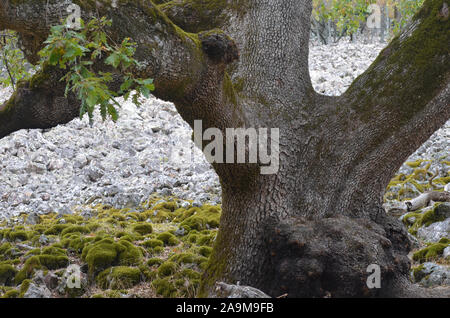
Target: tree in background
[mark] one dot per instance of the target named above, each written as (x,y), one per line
(14,65)
(337,18)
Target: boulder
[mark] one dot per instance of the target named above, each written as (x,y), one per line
(435,231)
(224,290)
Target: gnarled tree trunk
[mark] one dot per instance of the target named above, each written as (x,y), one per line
(313,228)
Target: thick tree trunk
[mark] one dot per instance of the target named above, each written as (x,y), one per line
(313,228)
(268,241)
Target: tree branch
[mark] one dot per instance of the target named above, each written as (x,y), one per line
(202,15)
(38,103)
(188,68)
(407,90)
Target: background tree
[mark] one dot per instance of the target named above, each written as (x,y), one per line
(333,19)
(314,227)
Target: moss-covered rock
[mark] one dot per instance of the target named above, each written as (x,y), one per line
(167,268)
(152,243)
(430,253)
(205,251)
(143,228)
(75,229)
(417,273)
(101,255)
(56,229)
(416,220)
(168,238)
(120,277)
(6,251)
(19,235)
(184,258)
(205,218)
(154,261)
(7,274)
(24,287)
(53,262)
(131,255)
(27,271)
(165,287)
(35,251)
(106,253)
(13,293)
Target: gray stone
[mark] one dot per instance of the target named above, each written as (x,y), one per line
(43,240)
(443,210)
(414,241)
(224,290)
(55,164)
(80,161)
(446,253)
(126,200)
(86,214)
(435,231)
(185,205)
(180,231)
(51,281)
(33,219)
(432,275)
(93,174)
(65,210)
(35,291)
(395,207)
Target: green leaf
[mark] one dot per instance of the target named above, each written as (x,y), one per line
(113,112)
(113,60)
(145,91)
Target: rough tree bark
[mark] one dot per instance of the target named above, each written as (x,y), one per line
(313,228)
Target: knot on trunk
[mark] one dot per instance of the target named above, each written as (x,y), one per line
(219,47)
(331,258)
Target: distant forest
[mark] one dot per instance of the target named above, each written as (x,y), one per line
(333,20)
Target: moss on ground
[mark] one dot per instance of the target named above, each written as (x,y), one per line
(422,219)
(124,252)
(7,274)
(432,252)
(143,228)
(422,179)
(404,187)
(120,277)
(168,239)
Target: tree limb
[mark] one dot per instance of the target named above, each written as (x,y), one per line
(407,89)
(202,15)
(38,103)
(186,66)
